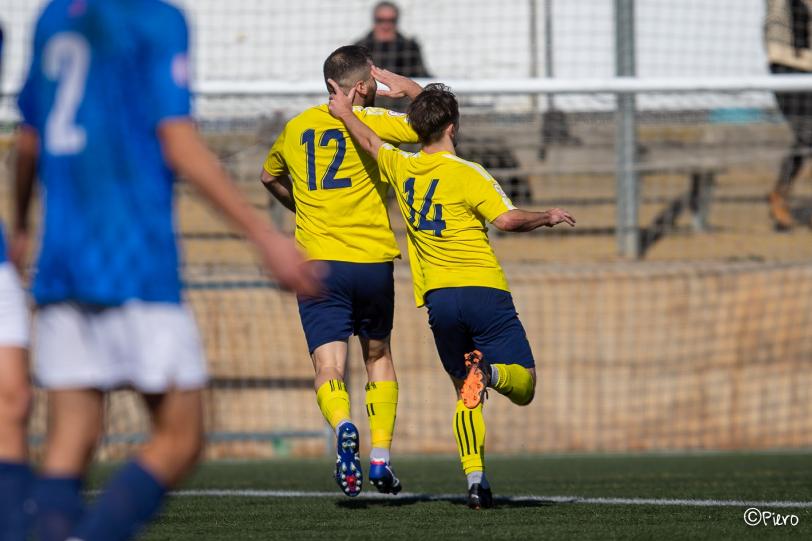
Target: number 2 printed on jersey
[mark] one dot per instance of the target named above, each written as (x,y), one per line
(66,60)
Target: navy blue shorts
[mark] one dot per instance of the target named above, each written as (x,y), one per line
(359,299)
(484,318)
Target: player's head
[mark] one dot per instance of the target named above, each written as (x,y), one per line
(350,66)
(385,21)
(434,114)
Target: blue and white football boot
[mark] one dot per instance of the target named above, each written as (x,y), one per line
(384,479)
(349,475)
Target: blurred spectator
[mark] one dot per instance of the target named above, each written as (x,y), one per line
(392,50)
(787,31)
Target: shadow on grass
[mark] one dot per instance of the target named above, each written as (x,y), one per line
(411,499)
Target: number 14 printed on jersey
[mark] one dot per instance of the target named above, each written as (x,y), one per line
(437,225)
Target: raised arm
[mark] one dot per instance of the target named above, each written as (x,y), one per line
(188,156)
(518,220)
(341,108)
(25,171)
(399,86)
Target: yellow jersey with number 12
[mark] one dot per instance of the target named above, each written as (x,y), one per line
(340,200)
(445,202)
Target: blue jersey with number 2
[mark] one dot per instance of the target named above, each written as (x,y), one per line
(104,75)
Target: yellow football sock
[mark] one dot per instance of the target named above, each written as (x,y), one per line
(334,402)
(469,428)
(382,408)
(515,382)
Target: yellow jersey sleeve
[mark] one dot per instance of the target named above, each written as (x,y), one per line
(389,159)
(391,126)
(486,196)
(275,164)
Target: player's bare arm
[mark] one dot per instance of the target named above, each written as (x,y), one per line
(518,220)
(281,187)
(399,86)
(25,169)
(188,156)
(341,108)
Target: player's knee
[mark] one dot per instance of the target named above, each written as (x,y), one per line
(378,354)
(528,397)
(526,400)
(184,446)
(191,449)
(189,444)
(328,371)
(329,361)
(376,350)
(15,403)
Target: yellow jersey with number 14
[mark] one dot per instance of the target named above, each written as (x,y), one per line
(445,202)
(340,200)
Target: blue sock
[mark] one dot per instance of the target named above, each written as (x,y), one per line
(15,486)
(59,506)
(129,500)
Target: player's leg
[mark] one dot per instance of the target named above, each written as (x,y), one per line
(327,324)
(67,363)
(507,360)
(177,435)
(74,427)
(135,493)
(373,313)
(381,405)
(156,349)
(470,430)
(453,341)
(329,362)
(15,474)
(15,398)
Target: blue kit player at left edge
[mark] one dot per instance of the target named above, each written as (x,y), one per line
(106,126)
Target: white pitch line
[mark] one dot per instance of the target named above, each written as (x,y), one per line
(457,497)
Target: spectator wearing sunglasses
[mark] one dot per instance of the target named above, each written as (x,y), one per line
(392,50)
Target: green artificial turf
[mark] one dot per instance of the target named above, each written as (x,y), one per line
(427,513)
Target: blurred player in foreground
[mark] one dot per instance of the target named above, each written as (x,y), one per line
(445,202)
(105,122)
(15,396)
(315,170)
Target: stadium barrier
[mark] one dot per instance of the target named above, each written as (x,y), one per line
(651,356)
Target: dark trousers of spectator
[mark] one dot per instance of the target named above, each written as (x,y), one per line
(796,107)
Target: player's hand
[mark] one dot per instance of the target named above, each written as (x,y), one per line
(339,104)
(286,263)
(18,249)
(556,216)
(399,86)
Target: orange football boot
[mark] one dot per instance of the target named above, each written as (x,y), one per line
(474,386)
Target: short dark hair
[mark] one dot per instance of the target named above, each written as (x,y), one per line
(390,5)
(347,65)
(432,111)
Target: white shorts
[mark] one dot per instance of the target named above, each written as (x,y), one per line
(14,321)
(151,347)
